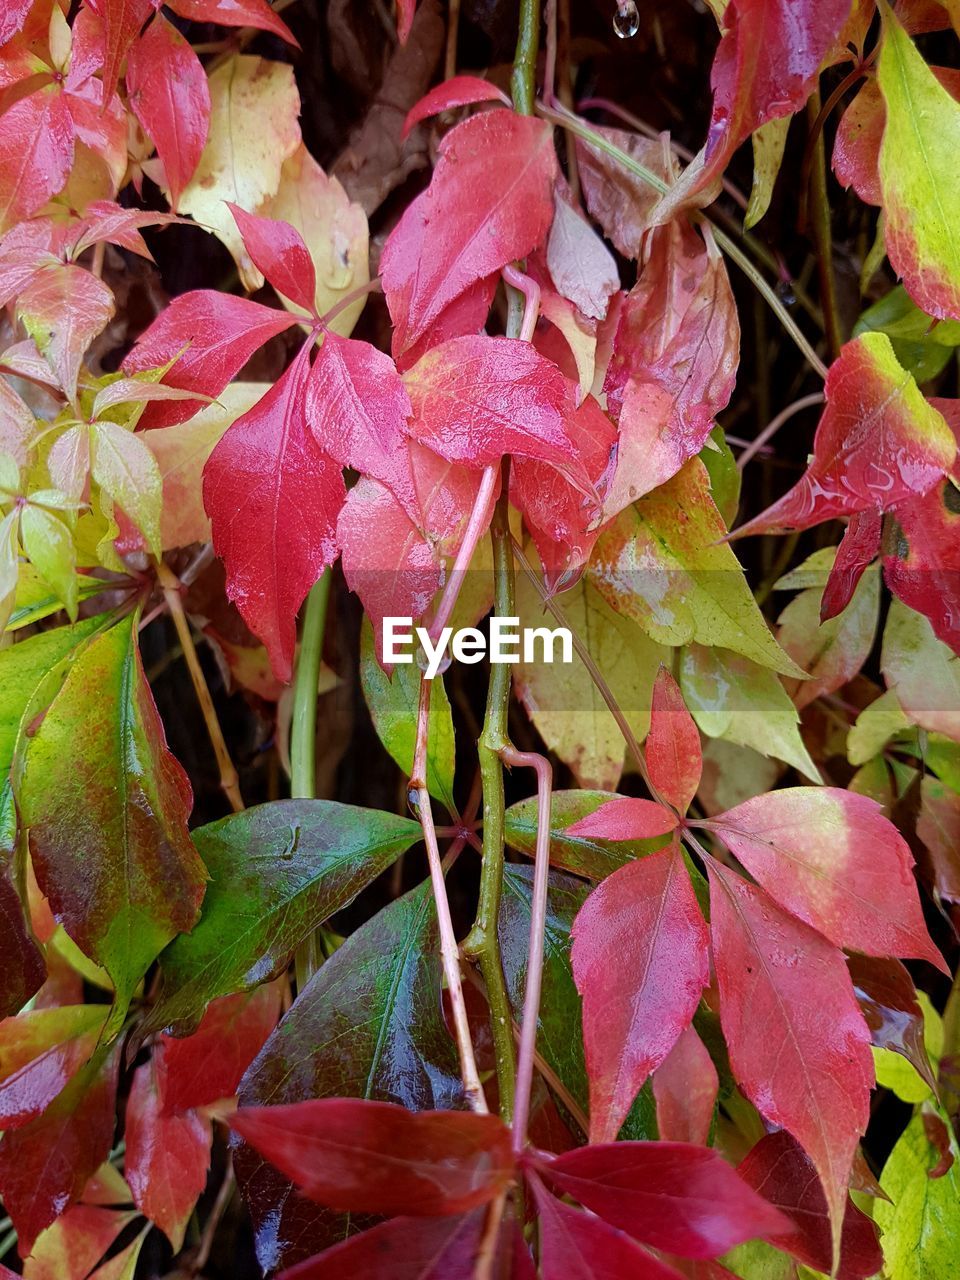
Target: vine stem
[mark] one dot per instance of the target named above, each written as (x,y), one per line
(823,235)
(538,923)
(479,519)
(303,738)
(567,120)
(229,780)
(769,431)
(449,951)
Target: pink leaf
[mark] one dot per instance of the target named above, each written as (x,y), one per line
(831,858)
(490,201)
(235,13)
(122,23)
(278,251)
(798,1043)
(209,337)
(580,264)
(672,748)
(625,818)
(685,1089)
(640,963)
(459,91)
(168,93)
(36,154)
(273,497)
(681,1199)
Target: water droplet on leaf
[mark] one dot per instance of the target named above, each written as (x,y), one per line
(626,21)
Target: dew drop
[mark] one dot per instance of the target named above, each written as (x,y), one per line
(413,801)
(626,21)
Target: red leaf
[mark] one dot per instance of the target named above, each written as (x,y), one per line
(13,16)
(831,857)
(357,1156)
(581,266)
(22,970)
(168,93)
(672,748)
(167,1157)
(402,1249)
(490,201)
(640,963)
(888,999)
(40,1051)
(278,251)
(122,23)
(798,1044)
(234,13)
(459,91)
(683,1199)
(65,307)
(765,67)
(36,154)
(208,1065)
(685,1089)
(674,363)
(210,337)
(73,1245)
(577,1246)
(273,497)
(878,443)
(781,1171)
(45,1165)
(476,399)
(358,408)
(625,818)
(563,528)
(860,545)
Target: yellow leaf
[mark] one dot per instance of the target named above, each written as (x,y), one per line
(253,130)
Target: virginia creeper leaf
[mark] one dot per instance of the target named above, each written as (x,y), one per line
(273,497)
(39,129)
(879,442)
(127,472)
(920,136)
(621,201)
(278,252)
(682,1199)
(168,93)
(254,105)
(235,13)
(830,857)
(580,265)
(403,1249)
(798,1044)
(920,1221)
(484,223)
(640,963)
(63,308)
(370,1023)
(922,672)
(109,836)
(781,1171)
(277,871)
(167,1157)
(40,1051)
(626,818)
(458,91)
(75,1243)
(360,1156)
(672,749)
(685,1089)
(122,21)
(939,828)
(581,840)
(890,1005)
(675,577)
(209,337)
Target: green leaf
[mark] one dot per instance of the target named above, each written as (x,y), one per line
(921,344)
(731,697)
(127,472)
(369,1024)
(921,1223)
(393,703)
(663,564)
(582,855)
(918,173)
(559,1036)
(725,478)
(35,601)
(277,871)
(561,697)
(875,726)
(106,805)
(48,544)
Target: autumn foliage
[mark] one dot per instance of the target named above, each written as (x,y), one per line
(636,967)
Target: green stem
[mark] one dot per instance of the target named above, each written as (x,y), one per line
(523,79)
(303,739)
(823,235)
(482,943)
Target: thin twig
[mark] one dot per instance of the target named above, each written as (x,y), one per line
(823,236)
(229,779)
(449,951)
(769,431)
(224,1196)
(538,924)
